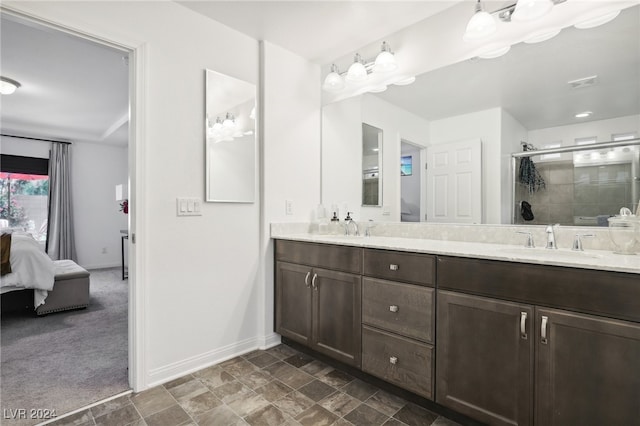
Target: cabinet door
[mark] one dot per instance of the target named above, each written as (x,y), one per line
(293,301)
(336,315)
(484,361)
(587,370)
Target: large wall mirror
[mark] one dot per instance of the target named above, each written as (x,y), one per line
(230,139)
(531,94)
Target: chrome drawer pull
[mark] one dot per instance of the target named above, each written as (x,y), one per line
(523,325)
(543,330)
(393,267)
(306,279)
(313,282)
(393,308)
(393,360)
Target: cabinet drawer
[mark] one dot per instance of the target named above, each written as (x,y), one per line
(399,266)
(337,258)
(402,308)
(398,360)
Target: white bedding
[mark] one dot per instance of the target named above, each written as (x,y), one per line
(31,267)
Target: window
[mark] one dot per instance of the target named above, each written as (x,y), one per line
(624,136)
(24,194)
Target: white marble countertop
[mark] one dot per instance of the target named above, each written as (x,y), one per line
(588,259)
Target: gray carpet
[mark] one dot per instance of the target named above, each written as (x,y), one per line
(66,360)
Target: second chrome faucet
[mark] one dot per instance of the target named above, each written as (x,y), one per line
(551,236)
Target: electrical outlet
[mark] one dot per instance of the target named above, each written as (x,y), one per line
(288,207)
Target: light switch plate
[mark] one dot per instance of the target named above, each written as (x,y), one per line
(186,206)
(288,207)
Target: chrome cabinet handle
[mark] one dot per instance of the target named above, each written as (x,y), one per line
(306,279)
(523,325)
(543,330)
(313,282)
(393,360)
(393,267)
(393,308)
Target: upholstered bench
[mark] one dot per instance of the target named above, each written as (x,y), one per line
(70,288)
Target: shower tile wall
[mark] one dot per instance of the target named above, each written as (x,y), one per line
(577,196)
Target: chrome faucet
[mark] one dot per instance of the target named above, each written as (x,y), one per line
(551,236)
(367,231)
(349,221)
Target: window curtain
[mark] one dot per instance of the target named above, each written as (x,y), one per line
(60,235)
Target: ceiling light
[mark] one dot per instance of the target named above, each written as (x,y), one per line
(8,86)
(405,81)
(528,10)
(495,52)
(217,125)
(229,121)
(378,89)
(481,25)
(592,20)
(540,36)
(583,114)
(357,70)
(334,81)
(385,61)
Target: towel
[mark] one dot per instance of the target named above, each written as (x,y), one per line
(530,176)
(5,254)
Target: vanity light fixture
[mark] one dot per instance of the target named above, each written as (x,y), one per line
(494,52)
(597,19)
(543,35)
(8,86)
(357,71)
(481,25)
(229,121)
(378,89)
(405,81)
(385,61)
(217,125)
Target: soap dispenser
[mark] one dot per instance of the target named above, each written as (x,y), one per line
(335,217)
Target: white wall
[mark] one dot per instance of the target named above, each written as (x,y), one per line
(601,129)
(198,274)
(486,126)
(512,134)
(96,170)
(290,155)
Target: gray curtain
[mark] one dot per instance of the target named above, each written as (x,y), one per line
(60,235)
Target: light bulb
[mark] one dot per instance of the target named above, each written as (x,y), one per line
(481,25)
(595,21)
(357,71)
(8,86)
(543,35)
(229,121)
(217,125)
(334,81)
(385,61)
(528,10)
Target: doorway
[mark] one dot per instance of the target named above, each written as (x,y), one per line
(102,160)
(411,182)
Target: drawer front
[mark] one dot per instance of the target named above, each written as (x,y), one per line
(334,257)
(611,294)
(401,308)
(405,363)
(398,266)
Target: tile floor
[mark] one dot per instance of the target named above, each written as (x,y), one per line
(279,386)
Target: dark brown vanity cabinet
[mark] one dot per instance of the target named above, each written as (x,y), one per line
(398,319)
(319,307)
(497,357)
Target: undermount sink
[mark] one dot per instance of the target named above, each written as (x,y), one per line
(551,253)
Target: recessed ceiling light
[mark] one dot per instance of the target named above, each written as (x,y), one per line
(8,86)
(583,114)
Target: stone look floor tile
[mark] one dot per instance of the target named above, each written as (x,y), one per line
(293,404)
(213,377)
(316,416)
(178,381)
(230,391)
(247,403)
(141,422)
(256,379)
(316,368)
(152,400)
(171,416)
(364,415)
(187,390)
(298,360)
(359,389)
(221,415)
(109,406)
(121,416)
(316,390)
(289,375)
(340,403)
(443,421)
(386,403)
(336,378)
(342,422)
(200,404)
(394,422)
(240,368)
(79,419)
(274,390)
(263,360)
(414,415)
(266,416)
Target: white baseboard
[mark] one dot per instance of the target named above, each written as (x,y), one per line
(102,266)
(178,369)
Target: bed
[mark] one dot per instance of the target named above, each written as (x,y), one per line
(31,268)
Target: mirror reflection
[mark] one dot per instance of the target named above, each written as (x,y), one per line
(230,139)
(534,94)
(371,165)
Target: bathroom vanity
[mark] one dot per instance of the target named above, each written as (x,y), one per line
(504,339)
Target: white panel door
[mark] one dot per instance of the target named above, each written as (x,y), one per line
(454,182)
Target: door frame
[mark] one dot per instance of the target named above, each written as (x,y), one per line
(138,60)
